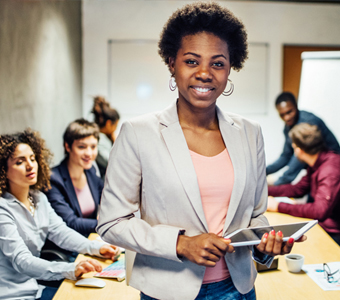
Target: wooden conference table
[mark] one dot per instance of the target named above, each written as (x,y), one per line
(270,285)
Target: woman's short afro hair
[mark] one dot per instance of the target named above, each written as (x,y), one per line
(204,17)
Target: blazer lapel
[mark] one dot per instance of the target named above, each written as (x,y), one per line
(233,140)
(71,193)
(180,155)
(92,185)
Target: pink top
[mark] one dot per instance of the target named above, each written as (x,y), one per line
(85,199)
(215,177)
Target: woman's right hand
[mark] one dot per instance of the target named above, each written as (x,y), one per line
(204,249)
(86,266)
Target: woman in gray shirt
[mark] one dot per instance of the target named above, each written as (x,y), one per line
(27,220)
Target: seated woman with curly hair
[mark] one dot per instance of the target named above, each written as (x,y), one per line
(27,221)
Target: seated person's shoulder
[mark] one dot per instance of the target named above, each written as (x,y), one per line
(331,163)
(334,158)
(93,174)
(56,176)
(310,118)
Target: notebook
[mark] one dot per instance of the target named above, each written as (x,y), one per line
(115,270)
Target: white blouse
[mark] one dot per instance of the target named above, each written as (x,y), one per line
(21,238)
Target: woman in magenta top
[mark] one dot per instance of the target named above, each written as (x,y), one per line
(194,172)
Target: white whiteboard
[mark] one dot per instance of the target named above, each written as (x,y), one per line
(320,87)
(139,80)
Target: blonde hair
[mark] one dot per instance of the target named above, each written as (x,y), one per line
(307,137)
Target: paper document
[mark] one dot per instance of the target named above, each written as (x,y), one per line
(115,270)
(285,200)
(316,272)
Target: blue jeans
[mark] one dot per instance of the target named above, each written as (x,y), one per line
(222,290)
(48,293)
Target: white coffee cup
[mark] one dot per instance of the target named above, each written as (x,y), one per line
(294,262)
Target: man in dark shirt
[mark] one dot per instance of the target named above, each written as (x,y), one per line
(322,182)
(291,115)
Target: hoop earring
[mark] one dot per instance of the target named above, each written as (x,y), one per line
(172,83)
(231,89)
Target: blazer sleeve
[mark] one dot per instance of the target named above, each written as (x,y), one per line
(60,202)
(261,199)
(121,198)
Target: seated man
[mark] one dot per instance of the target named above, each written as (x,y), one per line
(322,182)
(291,115)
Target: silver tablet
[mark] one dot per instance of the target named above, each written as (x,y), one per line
(252,236)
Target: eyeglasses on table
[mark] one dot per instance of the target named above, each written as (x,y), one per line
(329,275)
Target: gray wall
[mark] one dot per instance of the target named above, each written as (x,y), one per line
(40,68)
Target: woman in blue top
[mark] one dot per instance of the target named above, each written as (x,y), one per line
(27,221)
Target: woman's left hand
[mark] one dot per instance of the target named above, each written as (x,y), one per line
(272,244)
(110,251)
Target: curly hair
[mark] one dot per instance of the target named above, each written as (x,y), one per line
(103,111)
(8,145)
(204,17)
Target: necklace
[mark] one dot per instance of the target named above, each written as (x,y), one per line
(32,205)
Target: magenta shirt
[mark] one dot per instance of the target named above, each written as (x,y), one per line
(322,182)
(215,177)
(85,199)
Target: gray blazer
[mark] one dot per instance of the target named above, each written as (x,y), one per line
(150,169)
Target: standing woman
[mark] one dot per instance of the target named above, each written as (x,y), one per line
(107,119)
(75,188)
(27,221)
(194,172)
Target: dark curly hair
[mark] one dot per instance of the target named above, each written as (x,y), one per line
(204,17)
(103,111)
(8,144)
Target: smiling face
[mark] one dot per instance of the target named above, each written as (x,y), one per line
(288,112)
(83,152)
(22,168)
(201,69)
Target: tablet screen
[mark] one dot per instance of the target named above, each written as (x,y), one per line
(255,234)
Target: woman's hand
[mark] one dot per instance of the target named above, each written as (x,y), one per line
(110,251)
(272,244)
(204,249)
(273,205)
(86,266)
